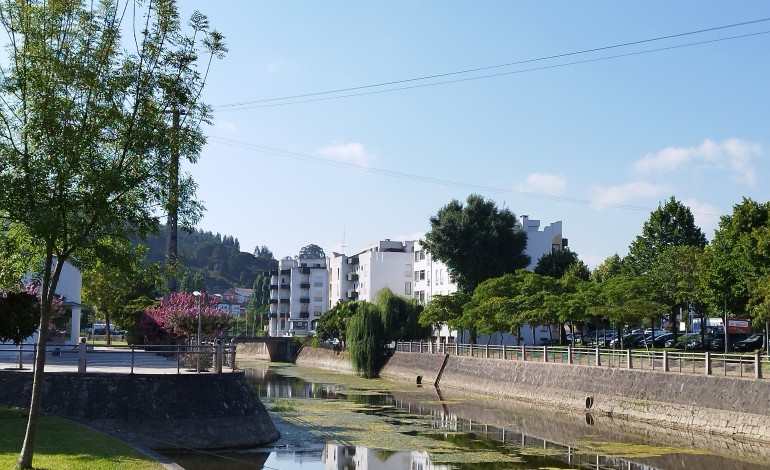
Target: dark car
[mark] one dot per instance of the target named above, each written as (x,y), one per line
(750,343)
(658,341)
(628,340)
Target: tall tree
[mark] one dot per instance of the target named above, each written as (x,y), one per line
(311,252)
(671,224)
(87,130)
(477,241)
(556,263)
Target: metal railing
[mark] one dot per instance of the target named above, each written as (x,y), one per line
(156,359)
(752,365)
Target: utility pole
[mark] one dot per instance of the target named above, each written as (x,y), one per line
(173,207)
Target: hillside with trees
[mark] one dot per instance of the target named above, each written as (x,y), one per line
(212,262)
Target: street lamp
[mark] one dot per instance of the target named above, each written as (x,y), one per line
(198,362)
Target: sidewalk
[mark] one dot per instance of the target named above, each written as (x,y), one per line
(99,359)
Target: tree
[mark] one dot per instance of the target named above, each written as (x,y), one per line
(260,296)
(400,317)
(19,315)
(87,131)
(367,339)
(556,263)
(116,279)
(178,317)
(476,241)
(311,252)
(671,224)
(445,309)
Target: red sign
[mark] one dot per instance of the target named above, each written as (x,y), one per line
(738,325)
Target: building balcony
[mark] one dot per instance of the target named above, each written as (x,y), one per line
(274,315)
(285,286)
(352,276)
(304,285)
(304,270)
(304,314)
(284,301)
(273,286)
(353,260)
(352,294)
(273,301)
(304,300)
(285,271)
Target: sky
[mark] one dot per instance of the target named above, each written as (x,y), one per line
(559,110)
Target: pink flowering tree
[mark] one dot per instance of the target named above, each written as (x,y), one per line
(177,318)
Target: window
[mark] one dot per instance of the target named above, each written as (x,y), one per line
(318,284)
(408,270)
(407,288)
(421,276)
(318,298)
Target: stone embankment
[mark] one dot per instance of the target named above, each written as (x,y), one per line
(727,406)
(201,411)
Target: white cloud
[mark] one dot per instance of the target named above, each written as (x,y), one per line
(734,155)
(348,153)
(624,193)
(543,183)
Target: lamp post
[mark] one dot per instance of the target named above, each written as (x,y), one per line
(198,342)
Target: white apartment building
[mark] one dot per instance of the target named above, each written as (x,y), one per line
(382,264)
(541,242)
(298,296)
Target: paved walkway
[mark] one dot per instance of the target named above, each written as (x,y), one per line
(99,359)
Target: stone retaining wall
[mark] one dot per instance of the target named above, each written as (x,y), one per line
(202,411)
(721,405)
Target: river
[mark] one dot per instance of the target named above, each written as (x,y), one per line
(332,421)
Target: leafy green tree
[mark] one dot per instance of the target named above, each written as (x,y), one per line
(495,306)
(367,338)
(556,263)
(400,317)
(117,278)
(445,309)
(258,302)
(333,322)
(87,131)
(671,224)
(477,241)
(311,252)
(611,267)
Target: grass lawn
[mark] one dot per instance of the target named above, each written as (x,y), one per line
(64,444)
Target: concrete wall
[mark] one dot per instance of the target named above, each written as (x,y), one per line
(720,405)
(265,349)
(202,411)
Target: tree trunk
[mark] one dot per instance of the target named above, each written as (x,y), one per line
(107,337)
(48,289)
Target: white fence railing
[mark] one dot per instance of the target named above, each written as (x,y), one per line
(754,365)
(123,359)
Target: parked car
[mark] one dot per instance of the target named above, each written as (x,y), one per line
(628,340)
(751,343)
(657,341)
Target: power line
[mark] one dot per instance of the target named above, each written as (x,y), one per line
(260,103)
(426,179)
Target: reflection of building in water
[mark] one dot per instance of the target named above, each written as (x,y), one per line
(362,458)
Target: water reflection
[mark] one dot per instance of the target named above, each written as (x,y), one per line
(520,435)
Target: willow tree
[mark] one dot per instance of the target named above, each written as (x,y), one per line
(367,339)
(89,123)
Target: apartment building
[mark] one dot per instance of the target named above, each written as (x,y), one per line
(385,263)
(298,296)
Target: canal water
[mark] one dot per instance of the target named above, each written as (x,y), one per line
(336,422)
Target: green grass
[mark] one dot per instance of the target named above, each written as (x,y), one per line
(64,444)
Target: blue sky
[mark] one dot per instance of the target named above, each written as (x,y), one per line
(596,144)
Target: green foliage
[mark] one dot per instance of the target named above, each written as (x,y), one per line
(333,322)
(444,309)
(214,258)
(556,263)
(400,317)
(669,225)
(18,316)
(477,241)
(311,252)
(366,338)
